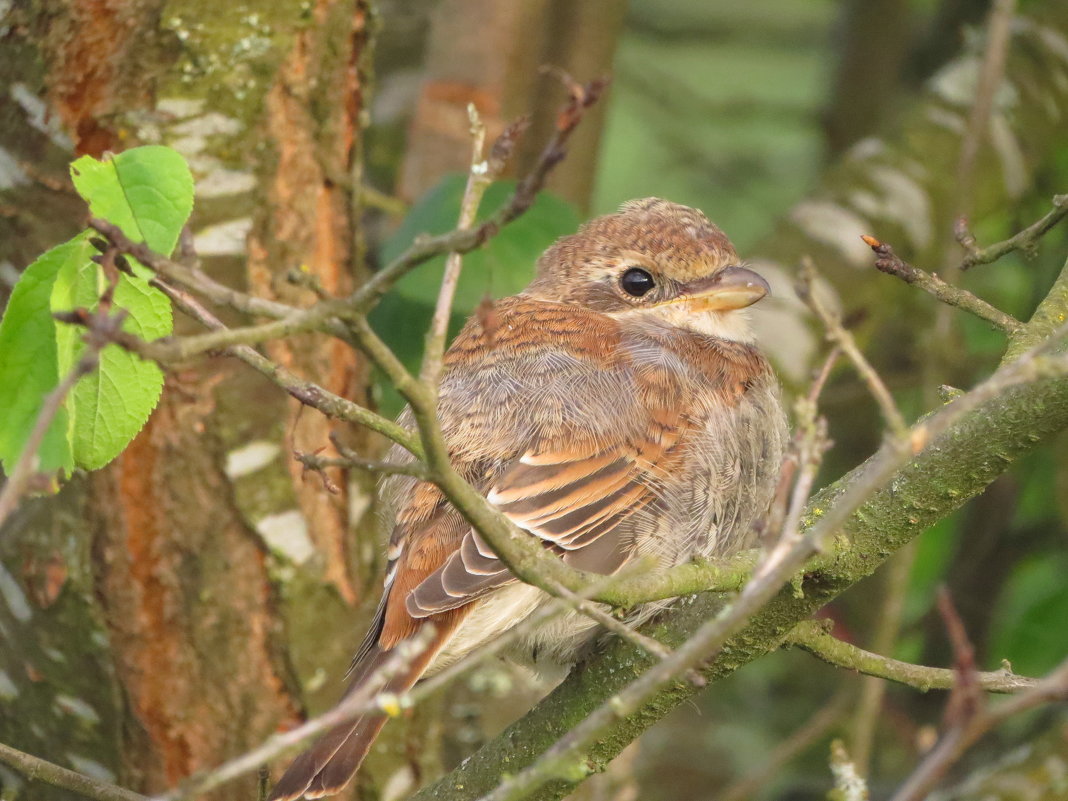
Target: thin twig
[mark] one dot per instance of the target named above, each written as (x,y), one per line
(952,745)
(581,98)
(837,333)
(618,627)
(194,279)
(313,461)
(812,636)
(806,411)
(892,264)
(1026,240)
(365,698)
(479,178)
(966,700)
(37,769)
(307,392)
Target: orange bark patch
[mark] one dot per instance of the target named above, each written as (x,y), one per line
(309,228)
(187,600)
(88,45)
(157,653)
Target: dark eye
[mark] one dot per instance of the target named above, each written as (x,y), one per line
(636,282)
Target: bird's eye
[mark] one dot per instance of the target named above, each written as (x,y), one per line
(636,282)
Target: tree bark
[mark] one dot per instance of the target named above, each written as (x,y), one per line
(180,605)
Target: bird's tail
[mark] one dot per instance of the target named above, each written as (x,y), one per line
(326,767)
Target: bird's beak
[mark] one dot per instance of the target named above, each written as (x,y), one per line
(730,288)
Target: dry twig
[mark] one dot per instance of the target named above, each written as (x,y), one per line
(837,334)
(891,264)
(1026,240)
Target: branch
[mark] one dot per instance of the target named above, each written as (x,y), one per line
(811,636)
(365,698)
(194,279)
(891,264)
(479,176)
(307,392)
(1026,240)
(37,769)
(837,334)
(958,739)
(582,97)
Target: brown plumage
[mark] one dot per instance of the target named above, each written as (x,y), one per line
(618,406)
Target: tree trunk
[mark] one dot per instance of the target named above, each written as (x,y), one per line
(185,602)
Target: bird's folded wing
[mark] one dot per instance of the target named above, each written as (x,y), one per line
(572,495)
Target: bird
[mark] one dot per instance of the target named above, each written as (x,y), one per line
(618,407)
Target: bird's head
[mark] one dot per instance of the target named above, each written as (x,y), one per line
(653,260)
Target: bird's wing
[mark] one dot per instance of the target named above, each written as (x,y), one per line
(573,498)
(571,489)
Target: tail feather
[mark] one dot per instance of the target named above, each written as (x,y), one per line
(326,767)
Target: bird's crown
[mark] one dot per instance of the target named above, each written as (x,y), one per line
(649,254)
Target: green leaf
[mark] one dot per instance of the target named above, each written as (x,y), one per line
(29,360)
(146,191)
(1028,625)
(110,405)
(503,266)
